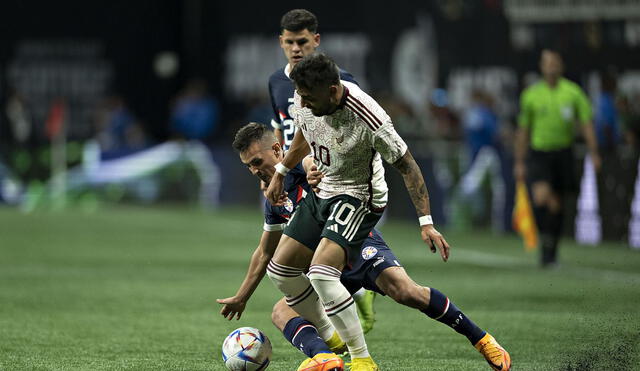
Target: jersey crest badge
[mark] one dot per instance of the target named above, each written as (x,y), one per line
(369,252)
(288,204)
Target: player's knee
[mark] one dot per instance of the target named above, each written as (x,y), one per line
(278,314)
(283,276)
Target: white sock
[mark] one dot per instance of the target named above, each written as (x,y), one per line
(301,296)
(338,305)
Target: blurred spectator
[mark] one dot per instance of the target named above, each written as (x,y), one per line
(480,123)
(19,117)
(447,121)
(606,116)
(548,111)
(258,109)
(118,132)
(195,113)
(629,115)
(481,133)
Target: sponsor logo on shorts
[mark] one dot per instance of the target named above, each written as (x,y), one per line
(369,252)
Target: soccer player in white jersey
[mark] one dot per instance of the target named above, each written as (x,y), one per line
(349,134)
(298,38)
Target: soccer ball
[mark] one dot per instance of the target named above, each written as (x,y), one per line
(246,349)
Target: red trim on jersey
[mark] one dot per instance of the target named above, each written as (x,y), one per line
(361,115)
(300,191)
(373,120)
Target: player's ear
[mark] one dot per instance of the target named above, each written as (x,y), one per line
(276,149)
(316,38)
(333,93)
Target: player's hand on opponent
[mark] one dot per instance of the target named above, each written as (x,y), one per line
(232,306)
(314,176)
(275,192)
(435,240)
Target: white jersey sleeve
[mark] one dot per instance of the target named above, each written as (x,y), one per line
(388,143)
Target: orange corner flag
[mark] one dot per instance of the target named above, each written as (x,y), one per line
(523,220)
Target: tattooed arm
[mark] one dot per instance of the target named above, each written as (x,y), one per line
(417,189)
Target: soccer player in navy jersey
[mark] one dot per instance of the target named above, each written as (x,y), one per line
(299,37)
(375,268)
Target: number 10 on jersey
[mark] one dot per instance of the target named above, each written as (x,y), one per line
(321,154)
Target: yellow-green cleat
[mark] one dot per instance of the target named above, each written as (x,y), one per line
(366,312)
(363,364)
(336,344)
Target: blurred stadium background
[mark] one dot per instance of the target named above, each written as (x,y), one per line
(124,212)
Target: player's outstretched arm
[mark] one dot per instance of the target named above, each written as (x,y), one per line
(417,189)
(234,306)
(299,148)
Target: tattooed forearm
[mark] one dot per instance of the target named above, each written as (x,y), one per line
(414,182)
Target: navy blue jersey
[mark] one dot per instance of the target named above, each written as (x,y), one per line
(281,93)
(296,186)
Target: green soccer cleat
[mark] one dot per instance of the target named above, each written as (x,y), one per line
(366,313)
(336,344)
(363,364)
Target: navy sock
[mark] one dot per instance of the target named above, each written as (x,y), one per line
(304,336)
(443,310)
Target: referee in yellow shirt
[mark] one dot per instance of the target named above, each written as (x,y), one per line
(549,110)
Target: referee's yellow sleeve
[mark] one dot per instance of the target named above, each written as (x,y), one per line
(526,114)
(583,106)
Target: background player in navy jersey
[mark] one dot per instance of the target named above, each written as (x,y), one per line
(299,37)
(375,268)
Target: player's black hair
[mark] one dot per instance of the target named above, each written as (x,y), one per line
(248,134)
(551,49)
(298,20)
(316,69)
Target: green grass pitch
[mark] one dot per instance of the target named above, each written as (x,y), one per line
(134,288)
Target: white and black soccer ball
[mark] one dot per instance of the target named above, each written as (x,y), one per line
(246,349)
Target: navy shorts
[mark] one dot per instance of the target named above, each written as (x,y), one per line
(363,270)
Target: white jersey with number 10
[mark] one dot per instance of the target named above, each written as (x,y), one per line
(348,146)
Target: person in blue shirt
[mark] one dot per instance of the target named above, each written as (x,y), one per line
(195,115)
(606,123)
